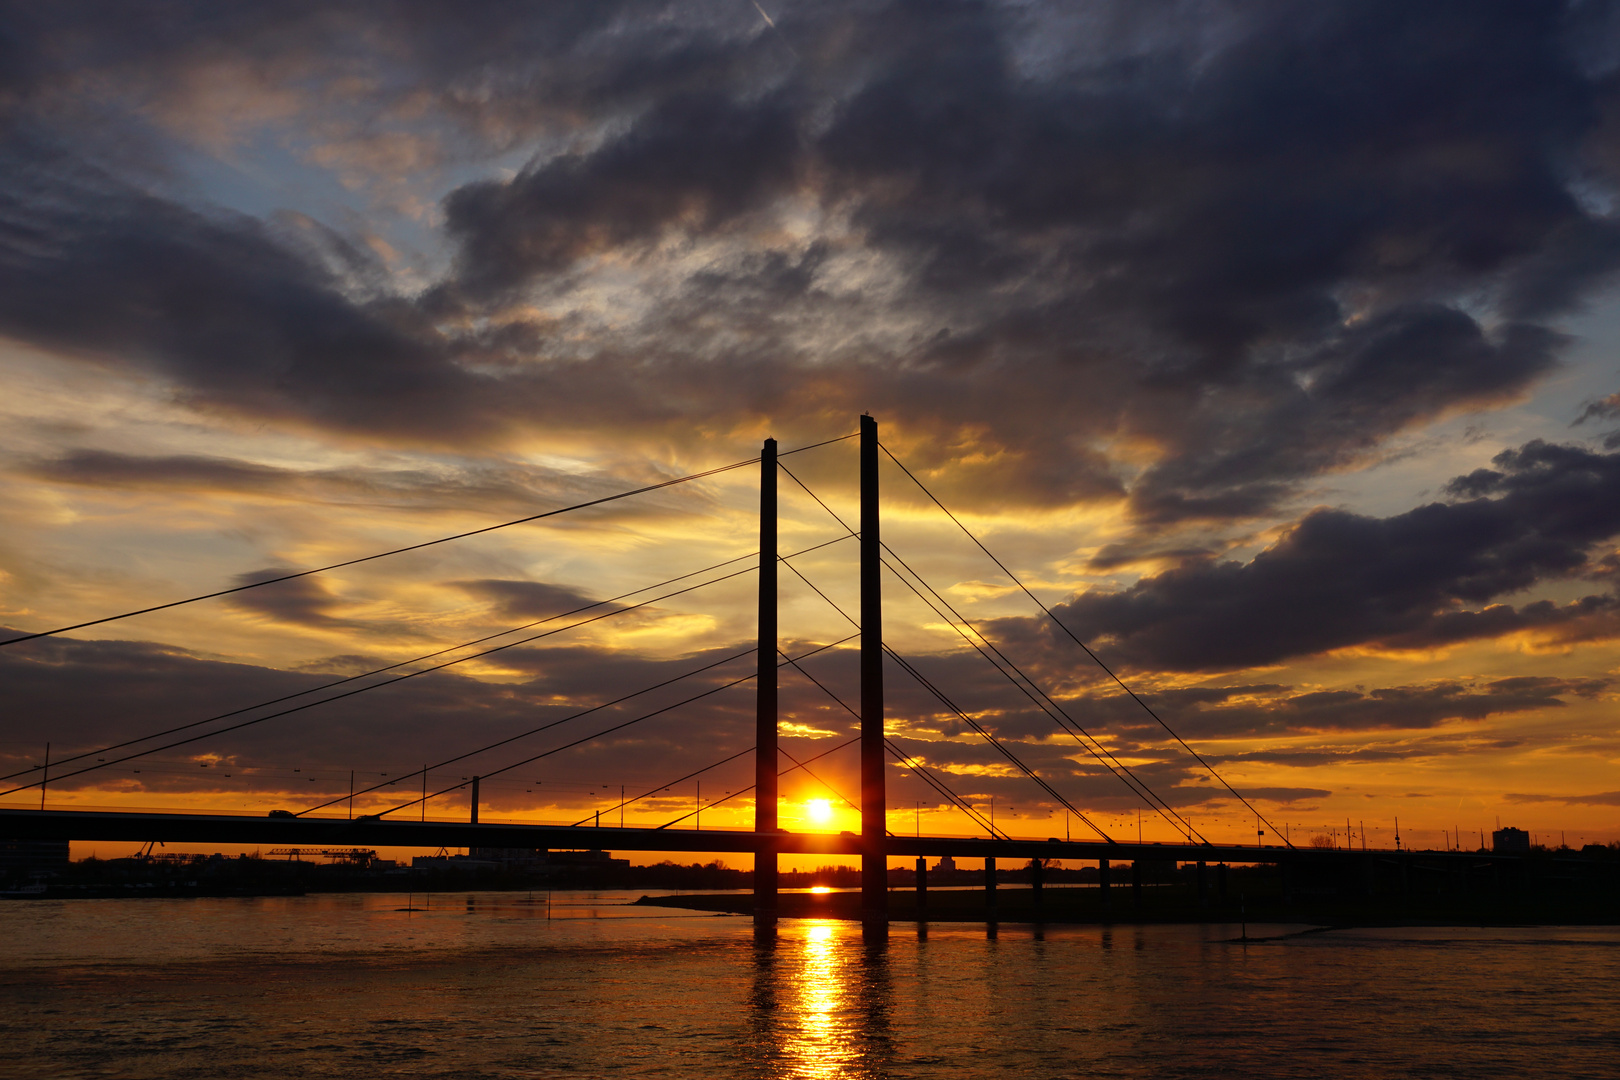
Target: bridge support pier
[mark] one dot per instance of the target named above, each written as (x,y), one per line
(1136,883)
(1104,873)
(1203,885)
(1037,876)
(922,884)
(990,884)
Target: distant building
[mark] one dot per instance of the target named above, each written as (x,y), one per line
(1156,871)
(1510,840)
(528,860)
(19,858)
(511,858)
(595,858)
(453,862)
(946,865)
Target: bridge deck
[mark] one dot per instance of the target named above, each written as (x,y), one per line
(328,832)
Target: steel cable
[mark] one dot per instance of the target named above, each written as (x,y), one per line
(1005,752)
(1084,647)
(413,547)
(589,738)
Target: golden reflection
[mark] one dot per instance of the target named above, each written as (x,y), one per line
(828,991)
(820,1049)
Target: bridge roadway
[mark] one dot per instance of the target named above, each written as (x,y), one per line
(338,832)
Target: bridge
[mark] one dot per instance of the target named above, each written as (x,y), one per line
(874,845)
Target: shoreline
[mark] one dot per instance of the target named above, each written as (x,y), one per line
(1087,908)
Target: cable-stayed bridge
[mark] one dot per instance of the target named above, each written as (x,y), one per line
(875,845)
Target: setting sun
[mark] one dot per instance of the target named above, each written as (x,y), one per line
(819,811)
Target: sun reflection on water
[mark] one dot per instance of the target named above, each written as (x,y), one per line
(831,1002)
(821,1048)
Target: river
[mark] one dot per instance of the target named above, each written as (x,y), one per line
(505,985)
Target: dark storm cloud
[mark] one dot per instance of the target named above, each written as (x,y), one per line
(1199,713)
(301,602)
(924,727)
(531,599)
(1365,383)
(91,265)
(1261,238)
(1607,408)
(1427,706)
(1392,150)
(99,692)
(1414,580)
(1311,759)
(699,160)
(102,468)
(1211,226)
(976,769)
(495,66)
(486,485)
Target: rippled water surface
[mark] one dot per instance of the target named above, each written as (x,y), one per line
(486,985)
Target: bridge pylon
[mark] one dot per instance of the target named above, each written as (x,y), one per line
(874,796)
(765,711)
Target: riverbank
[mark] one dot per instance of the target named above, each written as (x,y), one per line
(1093,906)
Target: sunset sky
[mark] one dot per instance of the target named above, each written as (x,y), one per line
(1275,346)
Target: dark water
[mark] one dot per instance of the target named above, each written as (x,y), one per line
(485,985)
